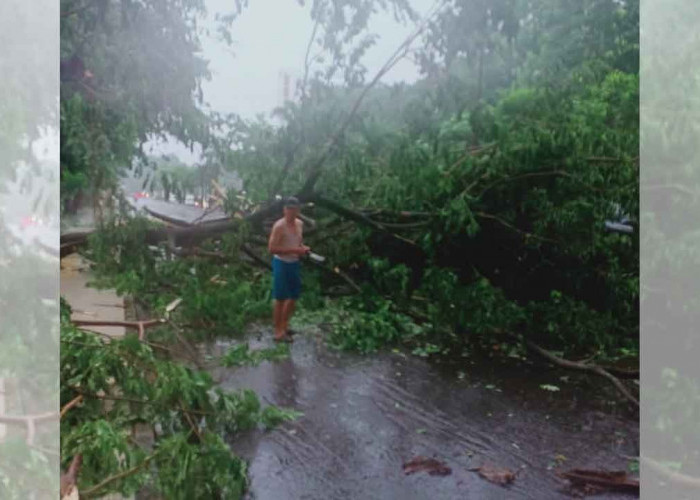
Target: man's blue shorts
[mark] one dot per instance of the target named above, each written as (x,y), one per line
(286,279)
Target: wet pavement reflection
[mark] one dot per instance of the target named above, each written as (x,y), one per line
(365,416)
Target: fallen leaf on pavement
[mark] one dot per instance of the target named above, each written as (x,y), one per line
(430,465)
(495,474)
(612,480)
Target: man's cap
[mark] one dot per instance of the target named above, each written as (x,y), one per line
(291,202)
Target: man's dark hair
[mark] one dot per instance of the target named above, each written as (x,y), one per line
(291,202)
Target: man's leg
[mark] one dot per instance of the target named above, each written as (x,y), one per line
(278,293)
(278,317)
(287,314)
(294,289)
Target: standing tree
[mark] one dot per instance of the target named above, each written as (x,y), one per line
(131,71)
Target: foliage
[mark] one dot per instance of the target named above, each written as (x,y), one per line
(526,215)
(241,355)
(224,298)
(363,325)
(123,383)
(272,416)
(478,308)
(363,331)
(131,71)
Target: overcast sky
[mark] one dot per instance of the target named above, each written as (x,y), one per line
(271,37)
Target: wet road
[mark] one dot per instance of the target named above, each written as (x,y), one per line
(365,416)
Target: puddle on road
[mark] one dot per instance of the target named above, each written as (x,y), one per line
(365,416)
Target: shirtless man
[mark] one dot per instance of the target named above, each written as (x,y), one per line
(286,247)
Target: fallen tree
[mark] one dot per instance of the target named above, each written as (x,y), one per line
(501,227)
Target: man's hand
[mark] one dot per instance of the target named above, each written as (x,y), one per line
(303,250)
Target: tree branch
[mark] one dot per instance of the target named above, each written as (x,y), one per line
(358,217)
(398,54)
(474,151)
(512,227)
(106,482)
(291,154)
(194,355)
(256,258)
(406,225)
(140,326)
(581,366)
(550,173)
(73,402)
(69,480)
(139,401)
(401,214)
(339,273)
(623,374)
(198,252)
(307,64)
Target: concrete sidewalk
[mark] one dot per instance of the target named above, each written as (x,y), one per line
(89,303)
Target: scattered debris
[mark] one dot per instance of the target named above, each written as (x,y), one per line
(591,481)
(217,280)
(69,479)
(171,307)
(556,462)
(496,475)
(430,465)
(74,262)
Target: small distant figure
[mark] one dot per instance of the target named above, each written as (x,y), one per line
(286,246)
